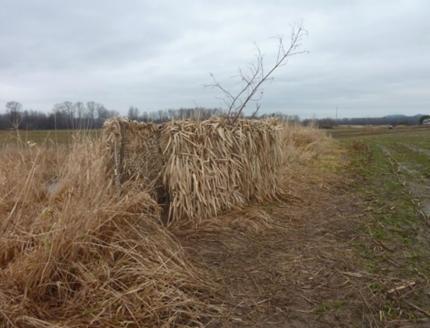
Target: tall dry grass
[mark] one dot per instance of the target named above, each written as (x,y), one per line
(75,253)
(301,145)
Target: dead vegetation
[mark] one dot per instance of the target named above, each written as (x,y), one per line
(77,253)
(83,256)
(199,168)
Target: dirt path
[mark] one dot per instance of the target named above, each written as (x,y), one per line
(300,273)
(328,256)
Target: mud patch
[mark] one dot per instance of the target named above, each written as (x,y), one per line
(418,187)
(422,192)
(406,168)
(416,149)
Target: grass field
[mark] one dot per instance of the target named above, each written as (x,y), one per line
(393,170)
(40,137)
(360,131)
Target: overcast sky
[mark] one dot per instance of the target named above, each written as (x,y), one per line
(365,57)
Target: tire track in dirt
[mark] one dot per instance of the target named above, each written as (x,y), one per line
(416,149)
(418,186)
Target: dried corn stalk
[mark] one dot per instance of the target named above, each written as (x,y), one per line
(205,167)
(134,152)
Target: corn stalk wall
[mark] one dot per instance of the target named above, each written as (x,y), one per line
(199,169)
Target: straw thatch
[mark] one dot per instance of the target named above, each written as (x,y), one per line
(202,168)
(134,151)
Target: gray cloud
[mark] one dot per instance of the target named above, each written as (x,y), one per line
(366,57)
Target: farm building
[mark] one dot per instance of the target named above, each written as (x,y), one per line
(425,119)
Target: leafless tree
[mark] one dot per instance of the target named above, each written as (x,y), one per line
(13,109)
(68,108)
(252,79)
(133,113)
(80,110)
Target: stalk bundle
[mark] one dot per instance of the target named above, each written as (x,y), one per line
(204,167)
(134,152)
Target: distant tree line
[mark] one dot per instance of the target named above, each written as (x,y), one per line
(66,115)
(327,123)
(386,120)
(197,113)
(92,115)
(159,116)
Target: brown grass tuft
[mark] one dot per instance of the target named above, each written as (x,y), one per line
(75,253)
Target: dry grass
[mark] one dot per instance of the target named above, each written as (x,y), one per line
(76,253)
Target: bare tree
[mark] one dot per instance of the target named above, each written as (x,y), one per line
(79,110)
(13,109)
(133,113)
(67,109)
(252,79)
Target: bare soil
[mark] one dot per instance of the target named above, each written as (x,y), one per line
(298,273)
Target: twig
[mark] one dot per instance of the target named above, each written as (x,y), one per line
(400,288)
(256,76)
(416,307)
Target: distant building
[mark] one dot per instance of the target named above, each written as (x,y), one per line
(425,120)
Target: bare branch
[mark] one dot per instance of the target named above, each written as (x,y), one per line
(257,108)
(217,85)
(255,76)
(296,37)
